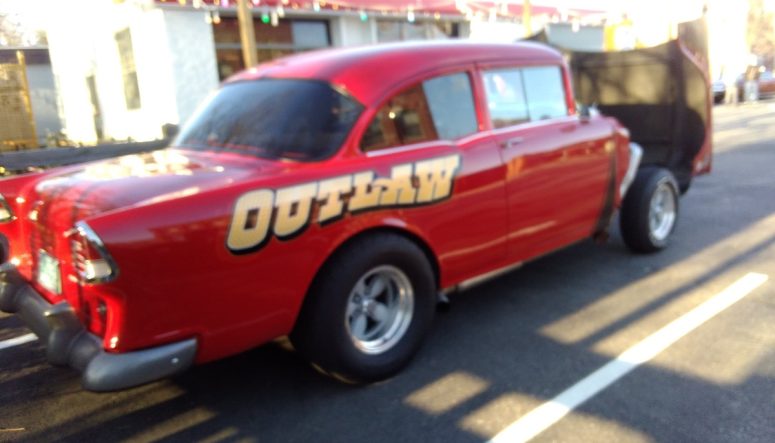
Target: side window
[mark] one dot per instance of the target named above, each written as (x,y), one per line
(505,97)
(545,92)
(516,96)
(452,105)
(442,107)
(404,119)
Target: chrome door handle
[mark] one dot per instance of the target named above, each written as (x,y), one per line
(512,142)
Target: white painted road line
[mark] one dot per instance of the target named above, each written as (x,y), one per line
(549,413)
(10,343)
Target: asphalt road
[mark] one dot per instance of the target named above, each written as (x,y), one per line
(504,349)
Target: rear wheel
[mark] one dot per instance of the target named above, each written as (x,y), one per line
(650,210)
(368,310)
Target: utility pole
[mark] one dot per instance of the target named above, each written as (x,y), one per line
(247,33)
(527,15)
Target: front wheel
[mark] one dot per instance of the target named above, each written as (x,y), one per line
(650,210)
(368,310)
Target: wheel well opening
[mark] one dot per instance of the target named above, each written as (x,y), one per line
(429,255)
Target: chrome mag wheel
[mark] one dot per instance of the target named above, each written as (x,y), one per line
(662,212)
(379,309)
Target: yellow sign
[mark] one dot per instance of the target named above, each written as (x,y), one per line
(17,125)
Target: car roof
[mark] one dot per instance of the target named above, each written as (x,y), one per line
(367,71)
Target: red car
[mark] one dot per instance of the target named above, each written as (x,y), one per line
(766,86)
(331,197)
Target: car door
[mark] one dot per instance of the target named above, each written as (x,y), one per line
(434,117)
(557,166)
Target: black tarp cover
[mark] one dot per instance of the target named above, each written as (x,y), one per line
(660,94)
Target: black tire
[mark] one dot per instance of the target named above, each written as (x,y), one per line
(683,186)
(324,331)
(638,232)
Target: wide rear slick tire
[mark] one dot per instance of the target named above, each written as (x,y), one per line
(650,210)
(368,310)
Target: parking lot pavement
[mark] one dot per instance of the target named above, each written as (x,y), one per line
(506,348)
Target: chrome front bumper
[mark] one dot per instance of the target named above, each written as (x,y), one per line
(636,154)
(69,343)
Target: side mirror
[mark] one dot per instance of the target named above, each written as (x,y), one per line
(586,112)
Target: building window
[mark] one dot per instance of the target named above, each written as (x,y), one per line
(395,31)
(128,69)
(91,84)
(288,37)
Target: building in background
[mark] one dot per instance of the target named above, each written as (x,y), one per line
(645,24)
(729,52)
(126,68)
(28,99)
(132,69)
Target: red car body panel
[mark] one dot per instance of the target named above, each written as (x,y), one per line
(703,160)
(165,217)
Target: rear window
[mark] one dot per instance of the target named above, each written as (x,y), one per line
(303,120)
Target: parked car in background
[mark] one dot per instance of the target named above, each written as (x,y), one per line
(719,90)
(765,82)
(766,85)
(332,197)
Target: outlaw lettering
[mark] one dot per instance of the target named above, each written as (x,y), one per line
(286,212)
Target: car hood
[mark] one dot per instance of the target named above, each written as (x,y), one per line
(75,193)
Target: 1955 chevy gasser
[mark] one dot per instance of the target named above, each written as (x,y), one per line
(330,197)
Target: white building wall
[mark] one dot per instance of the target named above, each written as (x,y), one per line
(729,51)
(154,75)
(582,38)
(72,53)
(193,60)
(352,31)
(174,58)
(498,32)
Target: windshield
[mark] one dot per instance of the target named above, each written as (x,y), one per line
(302,120)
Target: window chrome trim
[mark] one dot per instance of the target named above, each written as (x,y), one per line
(404,148)
(482,278)
(88,233)
(470,138)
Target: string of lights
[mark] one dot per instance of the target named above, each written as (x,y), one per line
(271,11)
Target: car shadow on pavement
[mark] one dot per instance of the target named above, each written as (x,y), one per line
(491,335)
